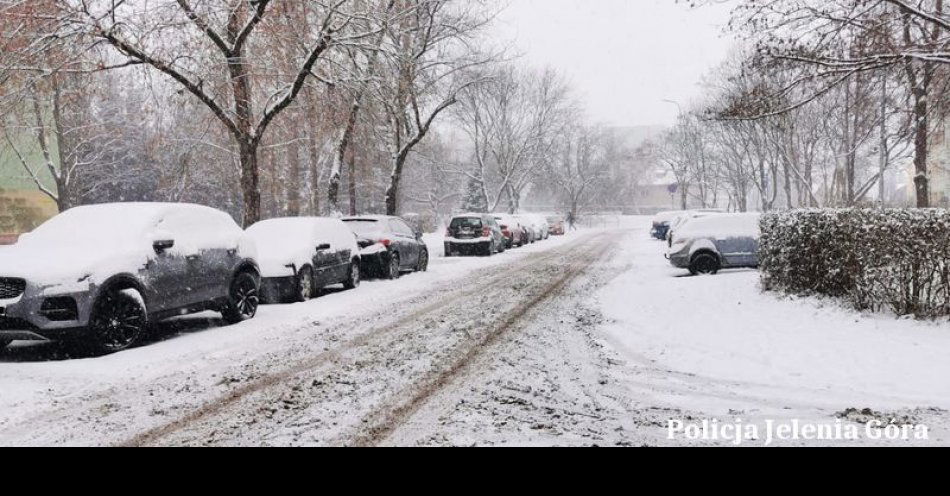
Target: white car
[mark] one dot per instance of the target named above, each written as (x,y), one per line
(710,244)
(537,226)
(299,256)
(685,218)
(543,226)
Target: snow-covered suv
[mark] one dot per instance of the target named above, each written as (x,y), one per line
(709,244)
(98,275)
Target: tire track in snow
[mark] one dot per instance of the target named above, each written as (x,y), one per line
(334,357)
(387,419)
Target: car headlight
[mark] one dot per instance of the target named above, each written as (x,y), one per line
(679,244)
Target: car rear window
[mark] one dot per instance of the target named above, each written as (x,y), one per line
(466,222)
(365,227)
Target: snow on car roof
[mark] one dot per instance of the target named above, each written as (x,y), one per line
(106,222)
(668,216)
(724,224)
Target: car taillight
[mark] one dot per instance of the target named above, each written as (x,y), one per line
(506,232)
(486,232)
(386,243)
(448,233)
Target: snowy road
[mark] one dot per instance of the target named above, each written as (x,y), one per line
(598,342)
(345,369)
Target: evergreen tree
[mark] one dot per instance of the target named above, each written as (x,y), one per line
(474,199)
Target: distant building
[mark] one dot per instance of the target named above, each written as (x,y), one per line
(939,167)
(660,193)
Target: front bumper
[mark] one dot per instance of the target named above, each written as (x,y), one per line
(680,260)
(278,289)
(24,317)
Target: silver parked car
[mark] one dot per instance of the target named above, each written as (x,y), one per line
(709,244)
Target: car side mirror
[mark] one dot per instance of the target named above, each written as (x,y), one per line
(162,246)
(323,247)
(418,235)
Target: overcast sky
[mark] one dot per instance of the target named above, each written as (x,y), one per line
(623,56)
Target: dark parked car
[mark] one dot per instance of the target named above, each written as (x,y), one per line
(388,246)
(709,244)
(474,234)
(99,275)
(662,222)
(301,255)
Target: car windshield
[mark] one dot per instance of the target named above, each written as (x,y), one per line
(364,228)
(466,223)
(95,226)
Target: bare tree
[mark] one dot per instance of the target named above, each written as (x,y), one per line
(429,60)
(209,48)
(513,123)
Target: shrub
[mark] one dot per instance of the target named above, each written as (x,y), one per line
(893,259)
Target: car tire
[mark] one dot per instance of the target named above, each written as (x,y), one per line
(354,276)
(705,264)
(243,299)
(488,250)
(119,321)
(4,343)
(305,289)
(394,270)
(423,261)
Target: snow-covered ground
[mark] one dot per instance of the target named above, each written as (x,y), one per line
(720,347)
(597,342)
(45,395)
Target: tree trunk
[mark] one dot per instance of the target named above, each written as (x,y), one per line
(392,193)
(294,185)
(352,189)
(921,147)
(250,183)
(339,154)
(244,135)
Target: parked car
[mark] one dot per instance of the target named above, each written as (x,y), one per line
(537,229)
(299,256)
(531,232)
(99,275)
(544,228)
(557,225)
(388,246)
(474,234)
(515,234)
(683,219)
(710,244)
(661,223)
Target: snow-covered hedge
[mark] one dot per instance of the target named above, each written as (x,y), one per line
(897,259)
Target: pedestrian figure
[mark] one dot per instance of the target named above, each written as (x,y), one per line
(570,221)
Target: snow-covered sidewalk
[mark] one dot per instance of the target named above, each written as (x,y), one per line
(720,347)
